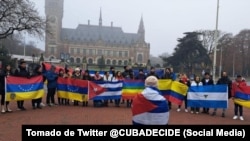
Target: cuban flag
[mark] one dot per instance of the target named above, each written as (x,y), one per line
(209,96)
(113,90)
(150,108)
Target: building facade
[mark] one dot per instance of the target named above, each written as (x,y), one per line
(89,43)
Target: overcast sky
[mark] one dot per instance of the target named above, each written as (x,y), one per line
(165,20)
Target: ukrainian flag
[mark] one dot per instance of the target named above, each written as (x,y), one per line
(22,88)
(242,96)
(131,88)
(74,89)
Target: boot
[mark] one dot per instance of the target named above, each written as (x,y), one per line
(3,110)
(8,109)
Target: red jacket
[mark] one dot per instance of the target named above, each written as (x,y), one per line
(237,84)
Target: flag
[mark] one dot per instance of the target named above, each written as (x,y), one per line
(113,90)
(22,88)
(242,96)
(94,90)
(209,96)
(164,85)
(74,89)
(178,91)
(131,88)
(150,108)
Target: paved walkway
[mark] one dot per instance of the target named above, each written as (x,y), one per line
(10,123)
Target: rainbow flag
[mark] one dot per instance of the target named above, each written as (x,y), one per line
(131,88)
(178,91)
(164,85)
(74,89)
(22,88)
(242,96)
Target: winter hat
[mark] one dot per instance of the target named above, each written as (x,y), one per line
(151,81)
(77,69)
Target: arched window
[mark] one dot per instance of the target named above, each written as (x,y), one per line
(90,61)
(108,62)
(139,58)
(114,62)
(120,62)
(72,60)
(78,60)
(126,62)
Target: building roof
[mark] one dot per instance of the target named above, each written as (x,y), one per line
(93,33)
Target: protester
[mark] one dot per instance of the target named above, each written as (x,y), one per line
(150,107)
(238,109)
(51,77)
(207,80)
(118,77)
(77,75)
(36,103)
(196,82)
(22,71)
(4,73)
(224,80)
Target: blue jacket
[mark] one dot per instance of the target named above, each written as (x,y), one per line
(51,78)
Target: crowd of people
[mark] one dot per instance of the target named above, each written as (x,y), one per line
(51,77)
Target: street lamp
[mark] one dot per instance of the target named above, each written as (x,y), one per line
(216,40)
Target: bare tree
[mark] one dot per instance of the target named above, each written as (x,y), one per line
(20,15)
(208,39)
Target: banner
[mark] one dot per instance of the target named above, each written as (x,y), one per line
(209,96)
(22,88)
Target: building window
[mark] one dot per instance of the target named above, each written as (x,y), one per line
(84,52)
(71,50)
(90,61)
(114,53)
(52,50)
(71,60)
(78,60)
(109,53)
(114,62)
(126,62)
(108,62)
(91,52)
(120,54)
(99,52)
(139,58)
(126,54)
(120,62)
(78,51)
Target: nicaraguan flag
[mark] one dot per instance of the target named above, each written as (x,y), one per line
(209,96)
(22,88)
(131,88)
(113,90)
(150,108)
(242,96)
